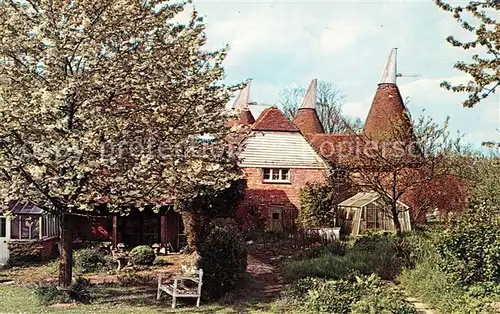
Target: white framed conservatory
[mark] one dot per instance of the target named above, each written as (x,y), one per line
(368,211)
(25,222)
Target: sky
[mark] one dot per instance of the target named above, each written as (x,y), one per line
(283,44)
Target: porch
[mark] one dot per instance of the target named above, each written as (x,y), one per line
(147,228)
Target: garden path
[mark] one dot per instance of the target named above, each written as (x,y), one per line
(259,268)
(421,307)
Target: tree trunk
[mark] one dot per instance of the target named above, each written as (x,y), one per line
(66,252)
(395,219)
(193,223)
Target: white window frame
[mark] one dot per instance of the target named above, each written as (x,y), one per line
(280,175)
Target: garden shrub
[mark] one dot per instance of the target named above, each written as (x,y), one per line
(22,253)
(427,281)
(264,236)
(142,255)
(374,253)
(91,260)
(383,253)
(382,300)
(161,261)
(223,258)
(79,291)
(314,295)
(335,248)
(46,293)
(318,204)
(470,247)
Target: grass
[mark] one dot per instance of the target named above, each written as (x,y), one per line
(377,256)
(429,283)
(115,299)
(31,274)
(129,292)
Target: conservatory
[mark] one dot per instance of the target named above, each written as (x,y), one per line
(369,211)
(26,224)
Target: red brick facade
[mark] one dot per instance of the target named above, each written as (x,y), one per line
(49,248)
(284,195)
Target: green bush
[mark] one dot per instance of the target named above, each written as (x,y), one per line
(383,300)
(375,253)
(428,282)
(46,293)
(161,261)
(382,253)
(314,295)
(470,247)
(223,258)
(22,253)
(335,248)
(142,255)
(264,236)
(79,291)
(91,260)
(318,204)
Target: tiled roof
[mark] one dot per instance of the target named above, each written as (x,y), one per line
(338,149)
(245,117)
(272,119)
(388,115)
(307,121)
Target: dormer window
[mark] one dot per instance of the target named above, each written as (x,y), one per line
(276,175)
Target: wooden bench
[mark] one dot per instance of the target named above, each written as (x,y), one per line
(177,289)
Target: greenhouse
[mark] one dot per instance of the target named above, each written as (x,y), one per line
(26,223)
(369,211)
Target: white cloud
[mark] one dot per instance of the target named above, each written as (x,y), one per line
(298,29)
(356,109)
(477,124)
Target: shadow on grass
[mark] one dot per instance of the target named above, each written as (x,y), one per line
(247,298)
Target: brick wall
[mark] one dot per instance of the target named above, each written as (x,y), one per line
(49,248)
(287,195)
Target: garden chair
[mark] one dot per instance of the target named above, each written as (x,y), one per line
(178,289)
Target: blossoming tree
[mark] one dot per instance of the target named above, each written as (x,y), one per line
(107,102)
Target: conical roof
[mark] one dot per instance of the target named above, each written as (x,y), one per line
(240,104)
(307,119)
(388,117)
(243,98)
(272,119)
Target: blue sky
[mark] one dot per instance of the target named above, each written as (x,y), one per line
(281,44)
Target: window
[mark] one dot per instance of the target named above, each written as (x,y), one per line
(28,227)
(3,227)
(25,227)
(50,226)
(276,175)
(339,175)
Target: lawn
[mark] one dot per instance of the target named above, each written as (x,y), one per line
(126,291)
(115,299)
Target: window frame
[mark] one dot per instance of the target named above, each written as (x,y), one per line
(281,172)
(3,226)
